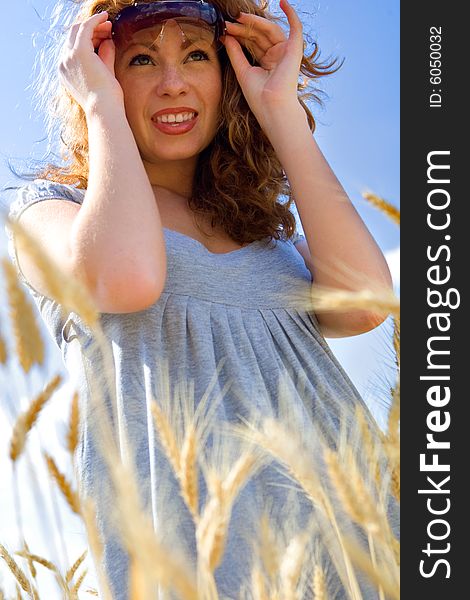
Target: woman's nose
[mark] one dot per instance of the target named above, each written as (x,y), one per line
(172,81)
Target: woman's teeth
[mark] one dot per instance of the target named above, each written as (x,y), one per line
(175,119)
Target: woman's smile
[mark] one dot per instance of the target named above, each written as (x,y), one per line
(175,121)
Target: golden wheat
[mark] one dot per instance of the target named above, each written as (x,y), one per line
(26,420)
(78,583)
(291,566)
(269,551)
(258,584)
(167,437)
(3,352)
(320,589)
(384,302)
(16,570)
(62,483)
(39,559)
(188,474)
(26,333)
(212,527)
(95,544)
(32,568)
(382,576)
(396,340)
(74,422)
(388,209)
(71,572)
(351,490)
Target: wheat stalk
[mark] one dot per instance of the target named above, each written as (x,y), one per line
(71,572)
(16,570)
(74,422)
(320,589)
(396,340)
(383,302)
(379,575)
(66,291)
(3,352)
(188,475)
(95,544)
(291,566)
(62,483)
(352,492)
(28,340)
(388,209)
(258,585)
(26,420)
(167,436)
(26,552)
(212,526)
(76,587)
(39,559)
(269,551)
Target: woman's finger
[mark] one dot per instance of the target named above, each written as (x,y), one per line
(102,32)
(87,27)
(253,48)
(272,30)
(264,36)
(295,24)
(236,55)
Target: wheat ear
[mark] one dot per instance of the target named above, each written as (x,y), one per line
(28,340)
(26,420)
(3,352)
(258,584)
(388,209)
(167,437)
(74,422)
(71,572)
(62,483)
(16,570)
(188,474)
(320,589)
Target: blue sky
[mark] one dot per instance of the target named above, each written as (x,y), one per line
(358,131)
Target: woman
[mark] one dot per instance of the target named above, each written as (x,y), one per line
(183,126)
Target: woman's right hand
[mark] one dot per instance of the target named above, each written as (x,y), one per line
(89,75)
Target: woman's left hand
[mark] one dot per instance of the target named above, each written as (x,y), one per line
(272,85)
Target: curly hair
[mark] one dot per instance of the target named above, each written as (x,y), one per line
(239,180)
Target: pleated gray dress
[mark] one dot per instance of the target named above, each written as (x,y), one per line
(229,331)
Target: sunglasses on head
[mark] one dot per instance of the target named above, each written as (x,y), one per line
(198,20)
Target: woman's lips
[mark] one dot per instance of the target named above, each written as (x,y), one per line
(175,128)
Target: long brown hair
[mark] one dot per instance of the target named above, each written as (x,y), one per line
(239,179)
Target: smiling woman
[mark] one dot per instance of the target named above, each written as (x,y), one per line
(183,125)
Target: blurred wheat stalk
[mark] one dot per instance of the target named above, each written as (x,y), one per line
(349,484)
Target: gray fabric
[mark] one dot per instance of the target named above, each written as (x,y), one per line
(239,312)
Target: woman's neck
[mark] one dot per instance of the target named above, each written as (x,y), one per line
(174,177)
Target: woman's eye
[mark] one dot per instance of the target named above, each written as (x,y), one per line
(198,55)
(141,60)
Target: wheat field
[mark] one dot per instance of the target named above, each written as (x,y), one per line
(349,485)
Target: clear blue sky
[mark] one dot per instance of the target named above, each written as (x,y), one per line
(358,130)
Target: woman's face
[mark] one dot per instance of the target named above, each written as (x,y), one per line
(172,91)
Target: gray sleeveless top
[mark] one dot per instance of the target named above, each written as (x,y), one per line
(229,333)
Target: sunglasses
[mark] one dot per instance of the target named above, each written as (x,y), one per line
(198,21)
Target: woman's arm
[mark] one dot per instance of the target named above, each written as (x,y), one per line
(341,252)
(117,236)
